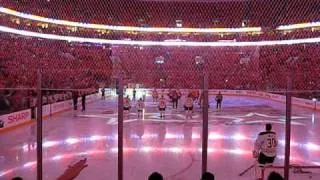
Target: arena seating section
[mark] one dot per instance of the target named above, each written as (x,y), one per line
(68,65)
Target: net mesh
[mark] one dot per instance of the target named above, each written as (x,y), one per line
(74,56)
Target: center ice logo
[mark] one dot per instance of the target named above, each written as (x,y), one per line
(1,124)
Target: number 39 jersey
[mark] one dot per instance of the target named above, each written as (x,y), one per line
(267,143)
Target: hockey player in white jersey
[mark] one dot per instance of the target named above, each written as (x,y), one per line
(162,106)
(140,106)
(265,147)
(126,105)
(188,106)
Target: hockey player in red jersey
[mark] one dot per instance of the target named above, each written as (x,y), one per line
(155,95)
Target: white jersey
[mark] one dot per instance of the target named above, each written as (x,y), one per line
(189,102)
(155,94)
(162,103)
(126,102)
(267,143)
(140,105)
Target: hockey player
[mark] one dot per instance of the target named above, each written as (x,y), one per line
(75,96)
(195,95)
(126,105)
(219,98)
(140,107)
(265,147)
(134,92)
(103,91)
(83,101)
(174,97)
(188,106)
(179,93)
(155,95)
(162,106)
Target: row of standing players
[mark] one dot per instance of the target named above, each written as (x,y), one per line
(174,96)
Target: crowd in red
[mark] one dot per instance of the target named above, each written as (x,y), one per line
(63,66)
(79,66)
(258,68)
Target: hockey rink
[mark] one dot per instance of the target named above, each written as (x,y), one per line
(171,146)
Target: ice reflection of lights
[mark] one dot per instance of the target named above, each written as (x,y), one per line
(148,149)
(316,163)
(292,158)
(25,147)
(238,151)
(114,150)
(3,173)
(174,136)
(239,137)
(213,136)
(47,144)
(195,136)
(96,138)
(308,146)
(209,150)
(58,157)
(311,146)
(145,149)
(175,150)
(29,164)
(150,136)
(83,153)
(72,140)
(292,143)
(134,136)
(168,136)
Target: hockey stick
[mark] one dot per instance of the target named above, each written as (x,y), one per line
(248,169)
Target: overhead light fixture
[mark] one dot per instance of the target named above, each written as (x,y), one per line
(244,23)
(128,28)
(157,43)
(159,60)
(299,26)
(179,23)
(199,60)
